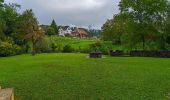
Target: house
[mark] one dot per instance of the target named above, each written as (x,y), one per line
(73,31)
(64,30)
(80,33)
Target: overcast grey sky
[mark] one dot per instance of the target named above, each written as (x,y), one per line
(81,13)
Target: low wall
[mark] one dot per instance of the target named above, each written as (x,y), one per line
(150,53)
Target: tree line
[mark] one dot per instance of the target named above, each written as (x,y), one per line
(140,24)
(20,32)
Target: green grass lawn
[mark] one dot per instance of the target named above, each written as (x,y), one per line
(76,77)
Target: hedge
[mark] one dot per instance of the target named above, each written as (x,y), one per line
(151,53)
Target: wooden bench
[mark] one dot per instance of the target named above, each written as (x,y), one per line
(6,94)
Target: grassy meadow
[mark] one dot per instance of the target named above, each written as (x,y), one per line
(63,76)
(81,45)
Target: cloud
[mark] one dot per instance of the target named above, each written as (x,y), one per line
(77,12)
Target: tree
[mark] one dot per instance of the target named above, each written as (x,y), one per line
(50,31)
(145,16)
(29,29)
(93,32)
(166,38)
(107,30)
(113,29)
(2,22)
(1,3)
(2,27)
(54,26)
(10,16)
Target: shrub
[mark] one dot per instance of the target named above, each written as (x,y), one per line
(43,46)
(95,47)
(68,49)
(17,49)
(83,50)
(100,47)
(68,35)
(7,49)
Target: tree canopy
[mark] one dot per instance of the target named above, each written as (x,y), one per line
(140,23)
(29,28)
(54,26)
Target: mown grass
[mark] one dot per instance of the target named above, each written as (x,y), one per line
(76,77)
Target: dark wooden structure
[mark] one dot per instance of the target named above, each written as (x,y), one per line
(116,52)
(95,55)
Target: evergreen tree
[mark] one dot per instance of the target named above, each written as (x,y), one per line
(54,26)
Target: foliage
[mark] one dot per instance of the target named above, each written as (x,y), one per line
(166,37)
(102,46)
(10,16)
(8,49)
(96,46)
(50,31)
(44,46)
(147,18)
(54,26)
(139,25)
(113,29)
(57,44)
(29,29)
(94,32)
(79,45)
(1,4)
(67,48)
(68,35)
(2,27)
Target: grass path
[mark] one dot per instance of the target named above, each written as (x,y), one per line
(76,77)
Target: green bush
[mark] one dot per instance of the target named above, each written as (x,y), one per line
(68,35)
(83,50)
(68,49)
(95,47)
(103,47)
(43,46)
(17,50)
(65,44)
(8,49)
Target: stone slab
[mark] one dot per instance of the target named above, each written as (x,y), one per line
(6,94)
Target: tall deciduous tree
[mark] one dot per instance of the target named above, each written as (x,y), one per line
(1,3)
(145,14)
(29,29)
(54,26)
(167,30)
(10,16)
(2,22)
(113,29)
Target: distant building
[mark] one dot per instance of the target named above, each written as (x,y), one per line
(80,33)
(64,30)
(73,31)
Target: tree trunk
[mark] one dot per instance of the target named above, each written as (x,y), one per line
(33,47)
